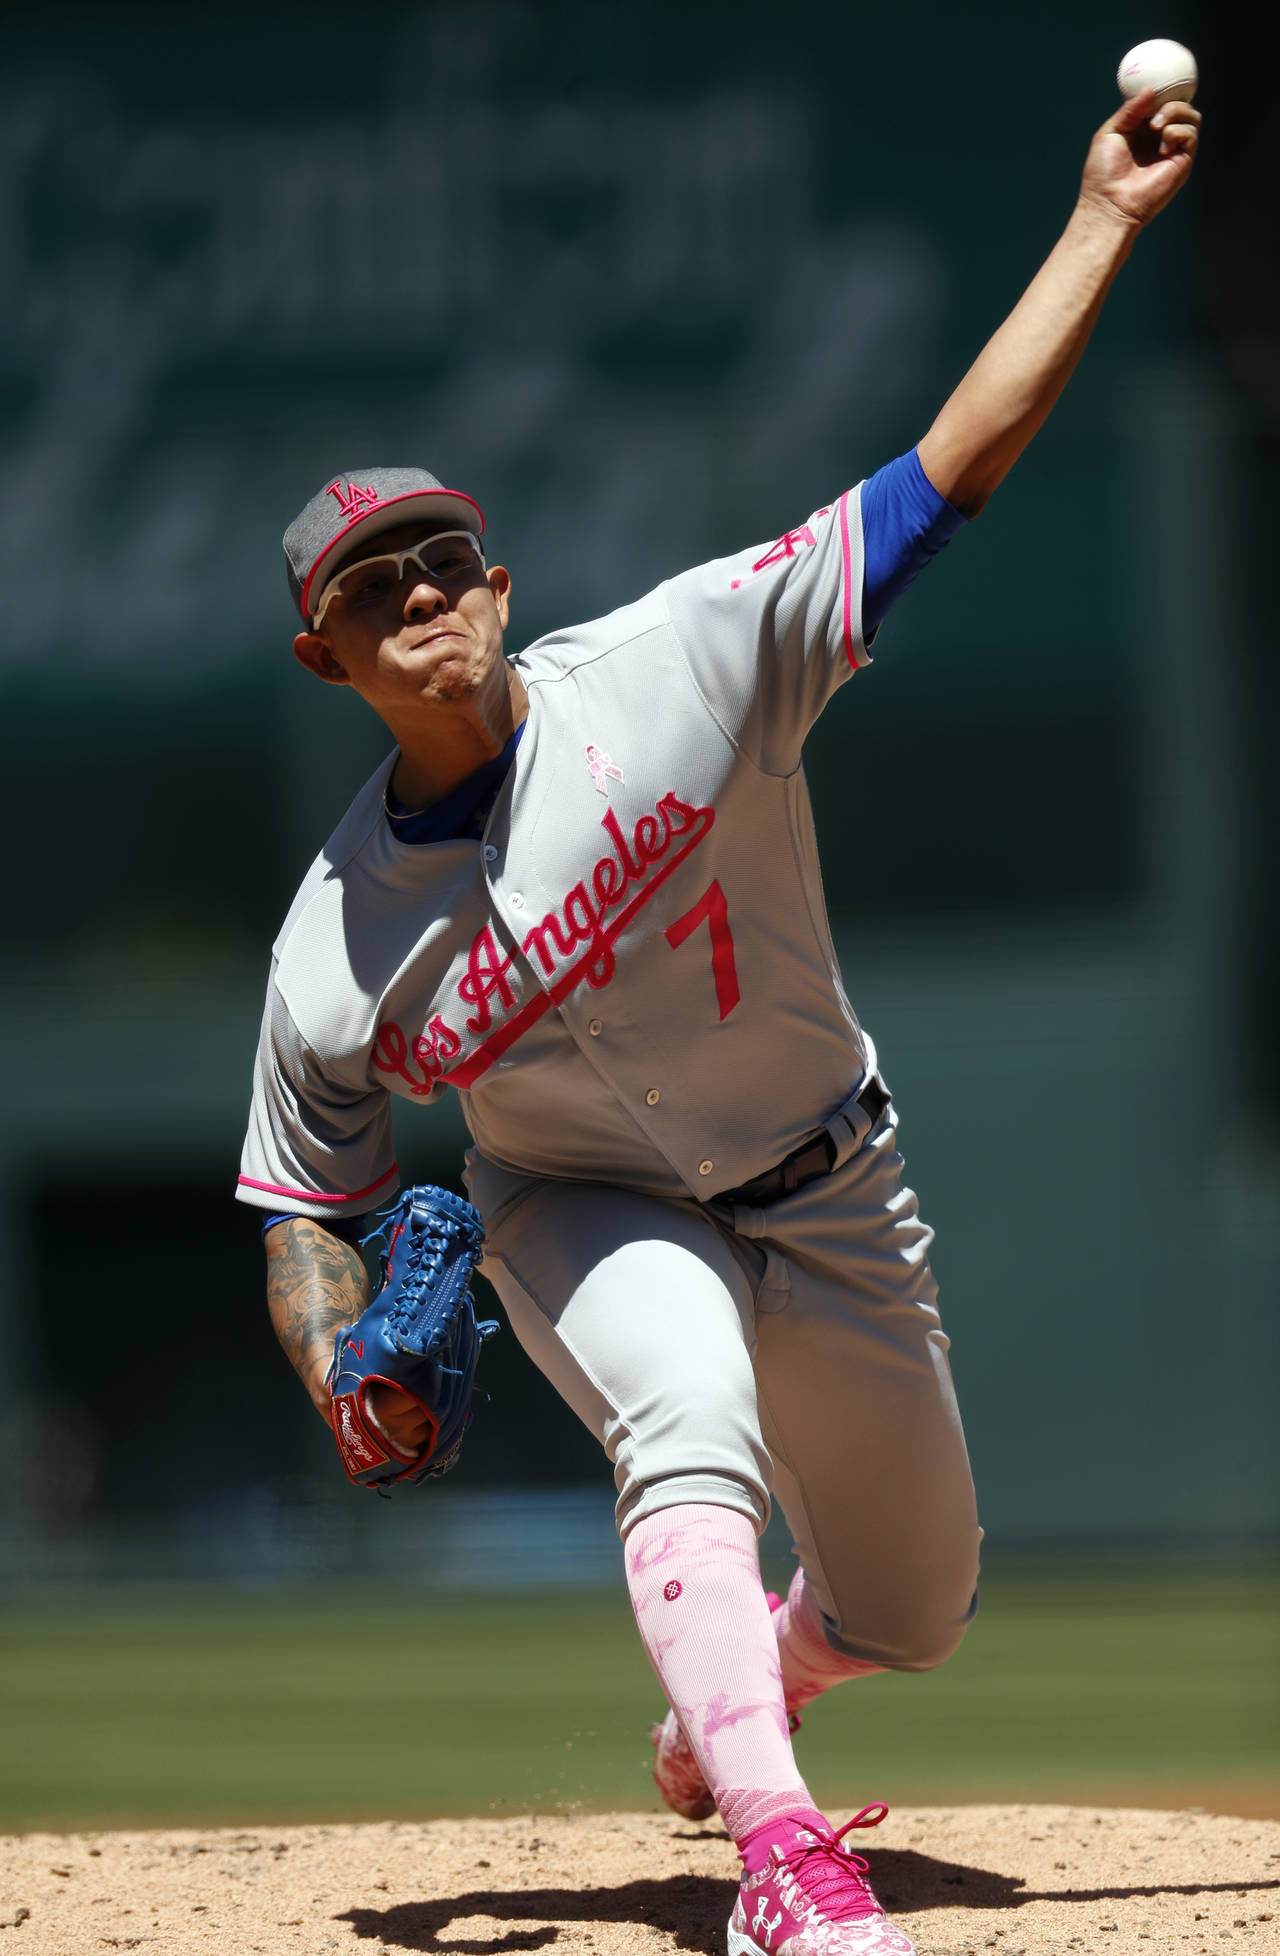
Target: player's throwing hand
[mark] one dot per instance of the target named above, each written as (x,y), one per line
(1141,157)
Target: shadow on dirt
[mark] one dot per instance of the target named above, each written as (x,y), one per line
(693,1909)
(912,1882)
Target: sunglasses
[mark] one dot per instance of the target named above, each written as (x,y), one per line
(448,554)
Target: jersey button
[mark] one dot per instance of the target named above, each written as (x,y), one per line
(490,853)
(595,1027)
(652,1097)
(705,1167)
(516,900)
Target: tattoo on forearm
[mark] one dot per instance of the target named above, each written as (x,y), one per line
(315,1282)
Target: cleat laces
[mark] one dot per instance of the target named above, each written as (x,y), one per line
(831,1877)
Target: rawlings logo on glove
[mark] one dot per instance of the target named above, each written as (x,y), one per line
(419,1335)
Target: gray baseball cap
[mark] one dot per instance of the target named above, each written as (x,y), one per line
(364,502)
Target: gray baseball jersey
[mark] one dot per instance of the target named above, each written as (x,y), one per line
(631,978)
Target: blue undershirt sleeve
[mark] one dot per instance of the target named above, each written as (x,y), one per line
(905,522)
(349,1228)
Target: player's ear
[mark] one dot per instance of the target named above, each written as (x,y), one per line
(316,654)
(499,580)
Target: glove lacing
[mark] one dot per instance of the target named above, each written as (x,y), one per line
(425,1241)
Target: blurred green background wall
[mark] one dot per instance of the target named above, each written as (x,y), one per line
(652,283)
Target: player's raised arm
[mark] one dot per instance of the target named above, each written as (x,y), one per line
(1138,160)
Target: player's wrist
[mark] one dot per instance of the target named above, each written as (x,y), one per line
(1099,221)
(314,1373)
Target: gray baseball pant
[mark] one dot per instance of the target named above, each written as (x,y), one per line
(721,1355)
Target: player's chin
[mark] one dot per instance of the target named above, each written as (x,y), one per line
(453,681)
(449,668)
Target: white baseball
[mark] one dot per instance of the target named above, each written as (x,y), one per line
(1166,66)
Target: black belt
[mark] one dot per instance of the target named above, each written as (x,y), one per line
(805,1163)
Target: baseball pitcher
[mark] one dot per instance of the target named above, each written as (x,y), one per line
(582,892)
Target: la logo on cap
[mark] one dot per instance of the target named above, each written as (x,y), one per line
(356,500)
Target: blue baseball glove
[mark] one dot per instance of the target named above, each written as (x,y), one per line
(419,1335)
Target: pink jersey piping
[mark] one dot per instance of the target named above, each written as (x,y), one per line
(408,495)
(309,1195)
(847,555)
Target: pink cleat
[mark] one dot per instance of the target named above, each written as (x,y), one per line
(676,1773)
(813,1899)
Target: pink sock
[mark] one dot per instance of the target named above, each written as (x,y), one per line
(809,1665)
(782,1829)
(694,1577)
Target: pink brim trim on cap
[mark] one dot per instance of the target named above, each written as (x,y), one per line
(409,496)
(309,1195)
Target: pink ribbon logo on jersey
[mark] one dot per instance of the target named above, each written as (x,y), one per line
(602,769)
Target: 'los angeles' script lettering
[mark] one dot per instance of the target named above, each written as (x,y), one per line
(570,944)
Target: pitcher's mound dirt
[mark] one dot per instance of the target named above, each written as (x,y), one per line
(1047,1881)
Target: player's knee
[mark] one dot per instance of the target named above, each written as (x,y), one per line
(933,1643)
(917,1641)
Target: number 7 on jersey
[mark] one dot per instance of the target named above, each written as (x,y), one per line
(712,910)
